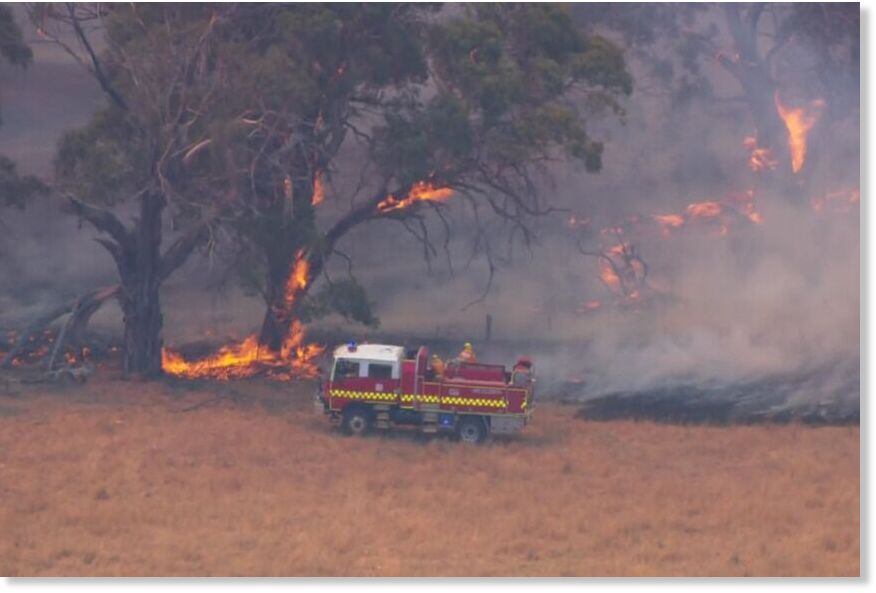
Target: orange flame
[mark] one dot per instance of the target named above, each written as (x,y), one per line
(422,191)
(704,210)
(249,358)
(318,190)
(298,279)
(668,222)
(798,122)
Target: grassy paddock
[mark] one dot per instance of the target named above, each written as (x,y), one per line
(112,478)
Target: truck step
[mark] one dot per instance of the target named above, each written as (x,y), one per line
(430,428)
(381,420)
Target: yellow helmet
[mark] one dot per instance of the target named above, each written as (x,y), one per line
(434,356)
(467,346)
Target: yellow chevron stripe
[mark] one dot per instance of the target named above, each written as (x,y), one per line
(428,399)
(363,394)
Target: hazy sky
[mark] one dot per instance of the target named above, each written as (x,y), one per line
(39,103)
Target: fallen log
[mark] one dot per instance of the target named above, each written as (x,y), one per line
(80,312)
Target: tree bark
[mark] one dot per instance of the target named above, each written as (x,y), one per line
(140,302)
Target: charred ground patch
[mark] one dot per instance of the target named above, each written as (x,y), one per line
(780,399)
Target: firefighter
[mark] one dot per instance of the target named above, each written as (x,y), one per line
(467,354)
(521,374)
(437,366)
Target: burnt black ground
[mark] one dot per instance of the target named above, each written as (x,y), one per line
(780,399)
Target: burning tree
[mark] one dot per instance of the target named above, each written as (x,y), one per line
(470,104)
(791,63)
(621,267)
(244,111)
(158,73)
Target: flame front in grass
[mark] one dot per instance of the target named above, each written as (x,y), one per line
(422,191)
(798,122)
(233,361)
(249,358)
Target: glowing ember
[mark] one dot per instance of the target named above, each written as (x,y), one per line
(608,275)
(841,200)
(575,221)
(744,202)
(589,306)
(618,249)
(422,191)
(798,122)
(761,159)
(668,222)
(704,210)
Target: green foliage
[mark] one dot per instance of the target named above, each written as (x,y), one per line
(510,82)
(104,161)
(242,105)
(346,298)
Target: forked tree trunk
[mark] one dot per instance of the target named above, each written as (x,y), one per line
(142,268)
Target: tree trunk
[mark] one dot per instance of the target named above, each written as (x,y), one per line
(142,269)
(288,227)
(140,302)
(276,322)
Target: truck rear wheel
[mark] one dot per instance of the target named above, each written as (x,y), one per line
(471,429)
(356,420)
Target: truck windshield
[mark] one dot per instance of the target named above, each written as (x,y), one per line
(379,371)
(344,369)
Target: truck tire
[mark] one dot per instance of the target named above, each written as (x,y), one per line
(356,420)
(471,429)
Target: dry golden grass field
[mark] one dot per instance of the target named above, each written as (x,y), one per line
(114,478)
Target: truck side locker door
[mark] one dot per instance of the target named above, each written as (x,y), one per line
(422,365)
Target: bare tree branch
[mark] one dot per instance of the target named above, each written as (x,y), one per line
(97,69)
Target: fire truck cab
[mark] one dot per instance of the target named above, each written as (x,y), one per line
(377,386)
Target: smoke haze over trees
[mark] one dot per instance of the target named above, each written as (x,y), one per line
(768,286)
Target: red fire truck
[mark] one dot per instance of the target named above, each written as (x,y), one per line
(378,386)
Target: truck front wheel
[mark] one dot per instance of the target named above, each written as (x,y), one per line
(356,420)
(471,429)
